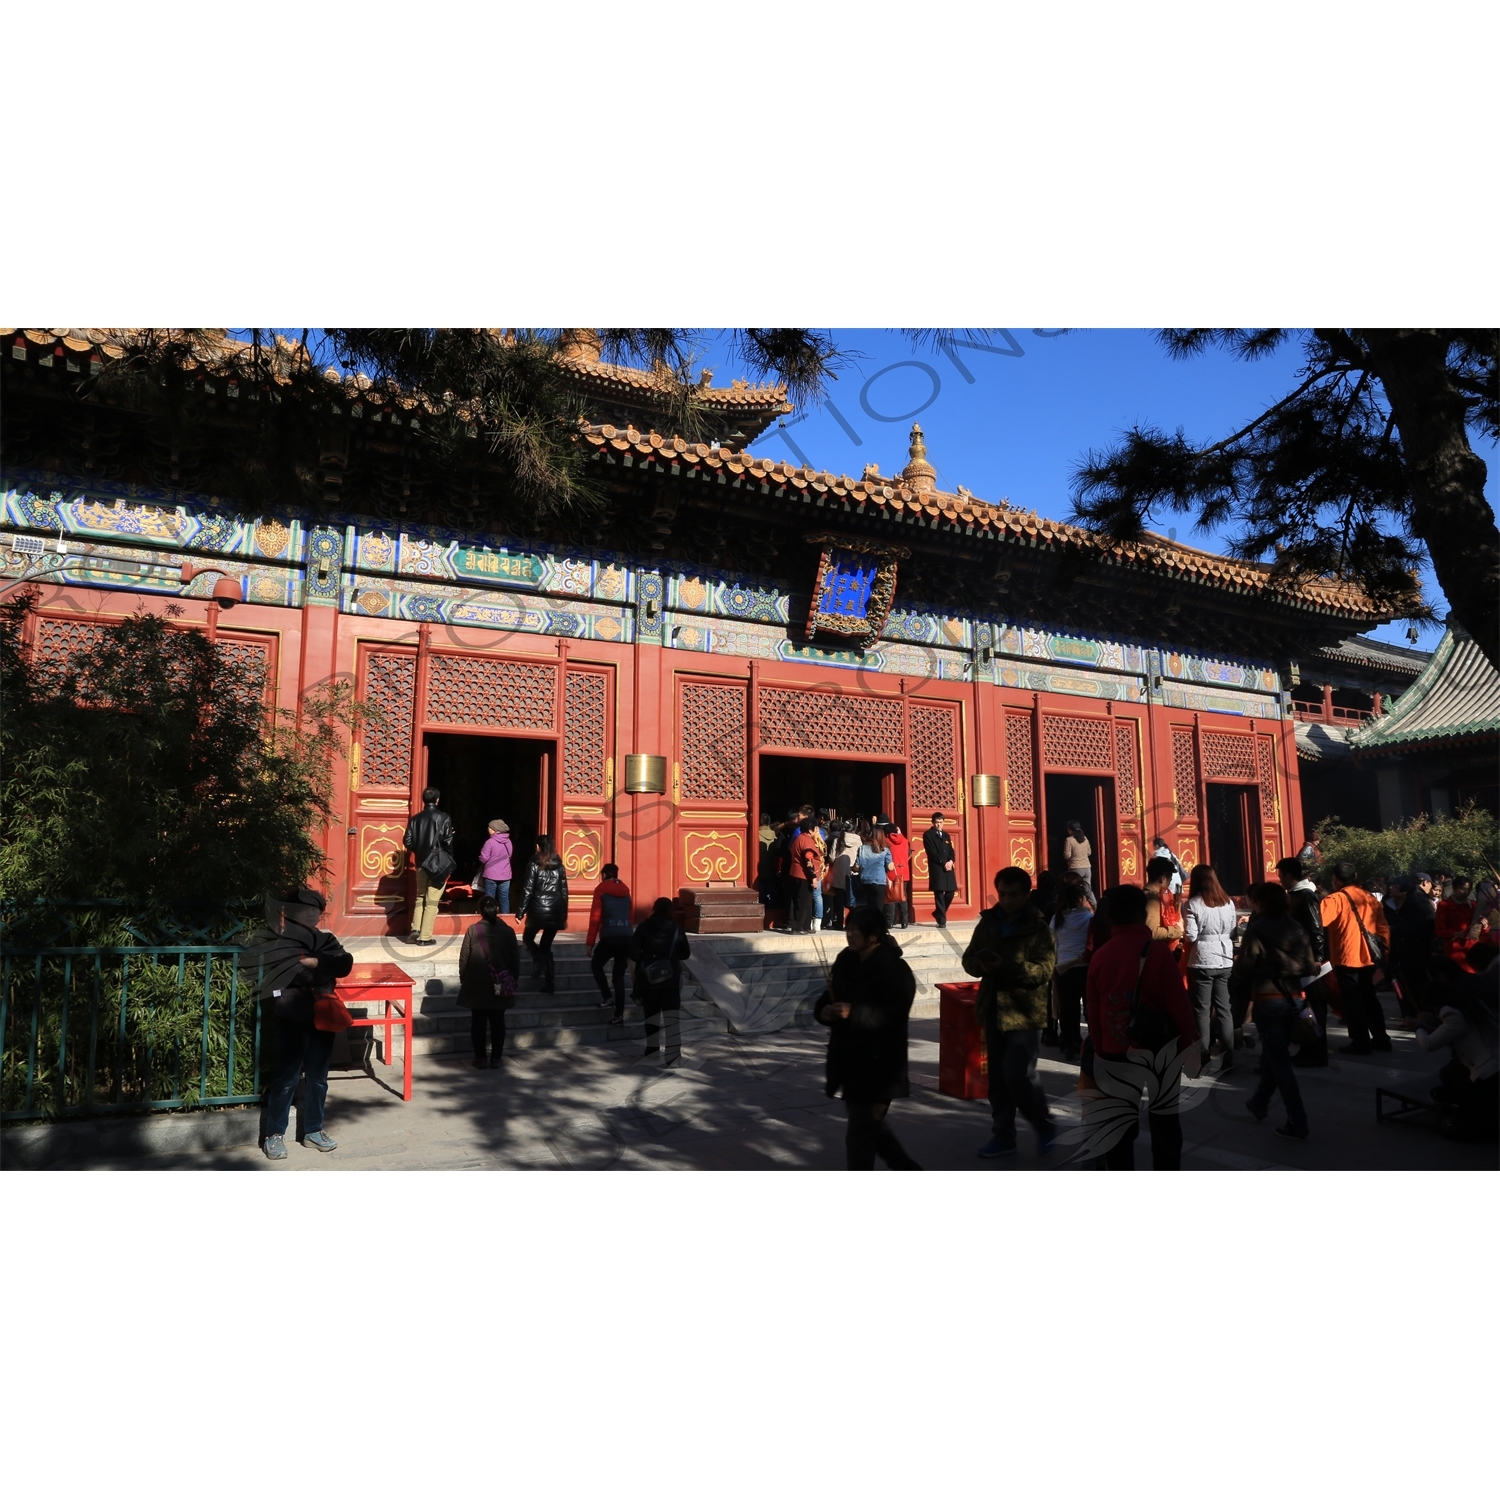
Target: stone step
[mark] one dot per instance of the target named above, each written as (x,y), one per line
(580,1027)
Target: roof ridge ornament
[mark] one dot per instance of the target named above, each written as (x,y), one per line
(918,473)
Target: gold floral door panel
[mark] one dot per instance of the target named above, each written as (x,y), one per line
(380,784)
(710,782)
(588,777)
(934,783)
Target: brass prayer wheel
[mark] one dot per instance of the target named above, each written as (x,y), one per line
(985,791)
(645,773)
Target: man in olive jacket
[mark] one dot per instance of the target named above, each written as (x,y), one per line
(1013,955)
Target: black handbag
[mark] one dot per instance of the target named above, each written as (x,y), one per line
(1373,943)
(660,971)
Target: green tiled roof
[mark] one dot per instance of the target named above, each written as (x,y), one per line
(1457,697)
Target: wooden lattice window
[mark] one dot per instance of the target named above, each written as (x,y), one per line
(585,698)
(712,718)
(934,762)
(1229,757)
(1020,770)
(1266,758)
(849,723)
(390,686)
(1184,773)
(1080,744)
(494,693)
(58,641)
(1127,783)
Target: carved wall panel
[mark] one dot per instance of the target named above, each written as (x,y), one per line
(1184,775)
(1229,757)
(711,716)
(934,757)
(1266,762)
(1076,744)
(585,751)
(842,723)
(57,641)
(491,693)
(1127,778)
(390,685)
(1020,772)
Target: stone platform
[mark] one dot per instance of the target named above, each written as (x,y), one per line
(749,983)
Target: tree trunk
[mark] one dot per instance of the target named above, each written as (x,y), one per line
(1449,510)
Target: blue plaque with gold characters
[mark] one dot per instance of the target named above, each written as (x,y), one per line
(855,585)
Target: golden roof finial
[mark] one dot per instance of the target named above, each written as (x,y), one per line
(918,473)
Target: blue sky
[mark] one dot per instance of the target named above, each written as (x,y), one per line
(1033,411)
(1012,424)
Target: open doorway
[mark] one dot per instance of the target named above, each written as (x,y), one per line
(1233,834)
(1090,802)
(853,788)
(485,776)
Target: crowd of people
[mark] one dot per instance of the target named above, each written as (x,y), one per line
(1172,968)
(816,867)
(1175,971)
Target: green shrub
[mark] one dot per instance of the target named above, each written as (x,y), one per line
(147,768)
(1466,844)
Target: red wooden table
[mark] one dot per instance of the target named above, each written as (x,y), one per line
(386,988)
(963,1064)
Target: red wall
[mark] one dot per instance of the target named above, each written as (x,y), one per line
(709,716)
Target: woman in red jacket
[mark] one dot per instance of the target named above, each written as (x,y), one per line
(1454,918)
(897,909)
(1130,961)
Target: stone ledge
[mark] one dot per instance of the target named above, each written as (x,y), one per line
(39,1148)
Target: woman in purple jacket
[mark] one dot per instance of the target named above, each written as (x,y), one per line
(494,863)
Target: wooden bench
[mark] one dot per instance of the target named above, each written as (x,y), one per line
(1406,1108)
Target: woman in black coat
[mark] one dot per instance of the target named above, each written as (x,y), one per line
(488,964)
(544,901)
(865,1009)
(658,948)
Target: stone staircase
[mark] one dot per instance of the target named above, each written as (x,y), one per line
(784,974)
(778,975)
(572,1017)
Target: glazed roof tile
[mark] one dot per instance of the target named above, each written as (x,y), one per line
(1364,651)
(214,352)
(738,394)
(1323,743)
(1456,697)
(895,500)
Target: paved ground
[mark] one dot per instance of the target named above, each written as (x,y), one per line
(757,1103)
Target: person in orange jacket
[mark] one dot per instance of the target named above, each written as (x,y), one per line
(1348,915)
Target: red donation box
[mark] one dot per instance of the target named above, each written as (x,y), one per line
(963,1063)
(386,990)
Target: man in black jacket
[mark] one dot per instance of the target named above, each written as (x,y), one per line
(942,869)
(429,836)
(1413,929)
(295,961)
(866,1008)
(1305,909)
